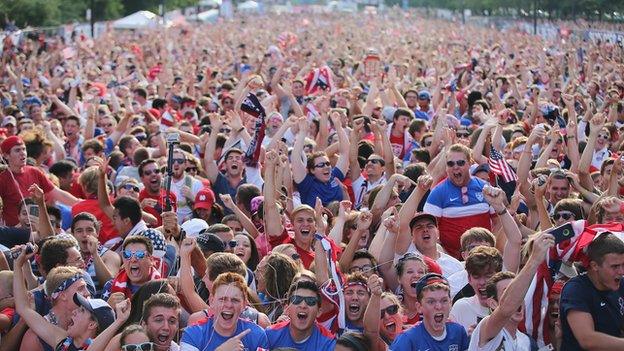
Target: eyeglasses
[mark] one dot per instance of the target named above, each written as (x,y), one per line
(309,300)
(179,160)
(376,161)
(191,169)
(146,346)
(131,187)
(566,215)
(364,268)
(390,310)
(322,164)
(464,194)
(151,171)
(139,254)
(459,163)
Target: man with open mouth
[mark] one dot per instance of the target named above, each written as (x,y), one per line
(435,332)
(301,331)
(228,298)
(458,202)
(161,321)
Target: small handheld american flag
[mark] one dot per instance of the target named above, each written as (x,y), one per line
(500,167)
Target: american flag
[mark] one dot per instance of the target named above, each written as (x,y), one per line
(572,250)
(500,167)
(252,105)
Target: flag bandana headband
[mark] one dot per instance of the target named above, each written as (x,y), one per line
(356,283)
(65,285)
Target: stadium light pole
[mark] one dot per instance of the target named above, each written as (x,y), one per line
(534,17)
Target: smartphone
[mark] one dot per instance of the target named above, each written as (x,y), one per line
(33,210)
(562,232)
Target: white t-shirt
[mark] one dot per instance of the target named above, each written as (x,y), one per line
(467,310)
(449,264)
(361,186)
(503,338)
(185,211)
(458,281)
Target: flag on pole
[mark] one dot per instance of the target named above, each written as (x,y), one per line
(252,106)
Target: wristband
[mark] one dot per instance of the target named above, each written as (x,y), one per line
(502,212)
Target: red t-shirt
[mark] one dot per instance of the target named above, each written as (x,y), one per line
(158,209)
(398,145)
(11,195)
(107,229)
(307,257)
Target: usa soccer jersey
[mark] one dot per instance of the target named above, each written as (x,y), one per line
(418,338)
(457,212)
(204,337)
(320,339)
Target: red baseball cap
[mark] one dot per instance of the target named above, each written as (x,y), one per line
(10,142)
(205,198)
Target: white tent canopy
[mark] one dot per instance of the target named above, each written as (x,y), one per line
(248,6)
(208,16)
(137,20)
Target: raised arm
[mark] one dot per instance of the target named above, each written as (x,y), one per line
(187,285)
(363,223)
(103,199)
(240,215)
(343,142)
(272,217)
(409,208)
(122,312)
(514,295)
(298,167)
(372,317)
(212,170)
(354,164)
(47,331)
(595,126)
(511,254)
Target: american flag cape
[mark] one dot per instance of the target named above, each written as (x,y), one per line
(319,79)
(572,250)
(252,106)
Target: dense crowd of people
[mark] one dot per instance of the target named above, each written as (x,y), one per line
(312,182)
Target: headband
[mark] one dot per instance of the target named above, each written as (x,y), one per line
(64,285)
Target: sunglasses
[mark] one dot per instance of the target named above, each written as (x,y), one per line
(179,161)
(232,243)
(459,163)
(390,310)
(152,171)
(322,164)
(309,300)
(559,141)
(603,136)
(563,214)
(376,161)
(295,256)
(191,169)
(462,134)
(146,346)
(225,130)
(131,187)
(139,254)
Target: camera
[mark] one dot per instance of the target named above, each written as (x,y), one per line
(173,138)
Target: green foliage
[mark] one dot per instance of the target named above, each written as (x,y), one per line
(55,12)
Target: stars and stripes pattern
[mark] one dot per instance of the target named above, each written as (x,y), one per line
(252,106)
(500,167)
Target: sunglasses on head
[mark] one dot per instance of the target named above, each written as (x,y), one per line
(322,164)
(390,310)
(563,215)
(459,163)
(151,171)
(376,161)
(131,187)
(146,346)
(139,254)
(309,300)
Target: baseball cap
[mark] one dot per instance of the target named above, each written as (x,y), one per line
(194,227)
(256,202)
(9,120)
(205,198)
(234,149)
(10,142)
(429,279)
(101,310)
(424,95)
(479,168)
(420,215)
(210,242)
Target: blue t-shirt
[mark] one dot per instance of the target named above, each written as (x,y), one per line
(418,338)
(605,307)
(320,339)
(204,337)
(310,188)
